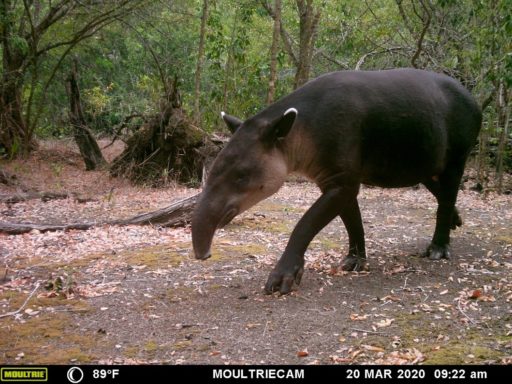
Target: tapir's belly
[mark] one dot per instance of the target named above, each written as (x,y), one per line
(402,157)
(395,176)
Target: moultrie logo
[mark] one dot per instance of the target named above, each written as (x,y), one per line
(23,374)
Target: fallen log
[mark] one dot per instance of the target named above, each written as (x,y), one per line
(25,196)
(177,214)
(20,228)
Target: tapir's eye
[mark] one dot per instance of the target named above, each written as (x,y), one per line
(242,178)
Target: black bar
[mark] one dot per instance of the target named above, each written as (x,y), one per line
(99,374)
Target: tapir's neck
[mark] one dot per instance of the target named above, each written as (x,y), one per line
(297,147)
(299,153)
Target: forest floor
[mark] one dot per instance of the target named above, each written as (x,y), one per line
(136,295)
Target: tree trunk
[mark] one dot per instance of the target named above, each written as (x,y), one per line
(89,148)
(273,52)
(482,156)
(309,19)
(503,112)
(200,60)
(285,36)
(230,62)
(15,138)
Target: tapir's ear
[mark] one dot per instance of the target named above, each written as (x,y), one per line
(280,127)
(231,121)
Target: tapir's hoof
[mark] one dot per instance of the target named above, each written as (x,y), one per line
(437,252)
(354,263)
(281,280)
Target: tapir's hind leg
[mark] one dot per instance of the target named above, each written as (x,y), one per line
(434,186)
(445,190)
(351,216)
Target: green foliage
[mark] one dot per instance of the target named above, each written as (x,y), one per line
(123,67)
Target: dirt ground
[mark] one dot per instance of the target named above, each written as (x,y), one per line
(135,295)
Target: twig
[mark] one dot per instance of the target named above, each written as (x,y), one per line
(5,274)
(24,304)
(265,329)
(426,24)
(366,331)
(405,283)
(464,313)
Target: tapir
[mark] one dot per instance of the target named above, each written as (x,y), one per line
(389,128)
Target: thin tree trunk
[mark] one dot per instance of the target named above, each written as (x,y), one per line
(309,18)
(14,136)
(503,112)
(228,73)
(483,146)
(285,36)
(273,52)
(200,60)
(89,148)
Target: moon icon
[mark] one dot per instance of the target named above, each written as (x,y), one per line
(71,378)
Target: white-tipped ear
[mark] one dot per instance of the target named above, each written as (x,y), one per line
(232,122)
(290,110)
(279,128)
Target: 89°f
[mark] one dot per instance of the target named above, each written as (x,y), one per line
(104,373)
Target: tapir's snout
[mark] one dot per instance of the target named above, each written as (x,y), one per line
(203,228)
(206,219)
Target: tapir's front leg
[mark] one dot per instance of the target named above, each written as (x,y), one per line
(290,266)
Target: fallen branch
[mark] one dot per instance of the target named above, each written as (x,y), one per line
(464,313)
(20,228)
(368,331)
(24,304)
(175,215)
(25,196)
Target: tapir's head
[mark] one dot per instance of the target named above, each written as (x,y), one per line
(250,168)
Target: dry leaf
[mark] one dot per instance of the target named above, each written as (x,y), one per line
(358,317)
(384,323)
(372,348)
(337,359)
(391,298)
(425,307)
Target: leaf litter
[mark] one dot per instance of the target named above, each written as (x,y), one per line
(404,310)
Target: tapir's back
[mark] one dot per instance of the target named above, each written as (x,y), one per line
(393,127)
